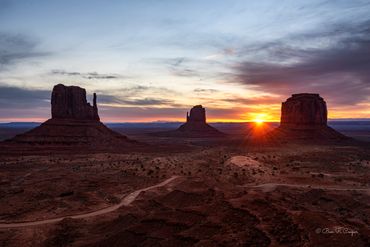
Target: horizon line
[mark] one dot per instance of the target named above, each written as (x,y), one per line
(164,121)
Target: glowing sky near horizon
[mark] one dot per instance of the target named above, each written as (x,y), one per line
(152,60)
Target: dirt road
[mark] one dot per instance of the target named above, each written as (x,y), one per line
(127,200)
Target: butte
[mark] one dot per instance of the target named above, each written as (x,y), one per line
(74,122)
(304,117)
(195,126)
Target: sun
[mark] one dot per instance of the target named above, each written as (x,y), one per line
(259,121)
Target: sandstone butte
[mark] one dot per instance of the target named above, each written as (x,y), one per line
(196,123)
(74,122)
(304,117)
(70,103)
(194,127)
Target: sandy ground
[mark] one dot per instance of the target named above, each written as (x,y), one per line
(197,193)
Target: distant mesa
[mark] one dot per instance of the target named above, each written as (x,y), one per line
(74,122)
(195,126)
(196,122)
(304,116)
(197,114)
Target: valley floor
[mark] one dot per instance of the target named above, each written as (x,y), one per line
(198,193)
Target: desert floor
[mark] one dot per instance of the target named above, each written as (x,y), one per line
(188,192)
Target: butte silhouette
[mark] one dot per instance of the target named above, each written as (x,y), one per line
(304,117)
(73,122)
(195,126)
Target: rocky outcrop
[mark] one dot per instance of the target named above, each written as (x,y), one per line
(74,122)
(197,114)
(304,110)
(194,127)
(196,123)
(70,103)
(304,117)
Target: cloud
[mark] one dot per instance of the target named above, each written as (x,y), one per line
(132,113)
(21,103)
(181,66)
(205,90)
(339,69)
(137,114)
(16,47)
(89,75)
(252,101)
(197,67)
(28,100)
(137,92)
(175,62)
(114,100)
(185,72)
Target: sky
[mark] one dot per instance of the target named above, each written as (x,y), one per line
(152,60)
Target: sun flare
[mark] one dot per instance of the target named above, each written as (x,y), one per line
(259,121)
